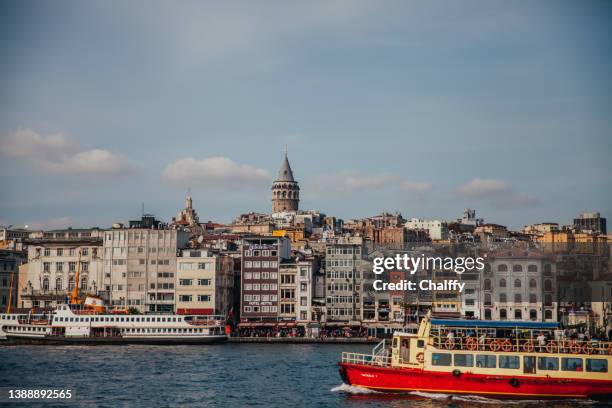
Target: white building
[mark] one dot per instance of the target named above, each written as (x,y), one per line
(140,267)
(438,230)
(53,260)
(204,283)
(519,286)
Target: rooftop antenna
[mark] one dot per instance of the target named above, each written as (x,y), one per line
(142,210)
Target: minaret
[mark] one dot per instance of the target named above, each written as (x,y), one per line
(285,190)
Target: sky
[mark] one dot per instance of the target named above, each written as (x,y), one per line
(425,108)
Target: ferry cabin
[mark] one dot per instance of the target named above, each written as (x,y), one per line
(64,322)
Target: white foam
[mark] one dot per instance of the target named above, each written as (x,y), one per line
(349,389)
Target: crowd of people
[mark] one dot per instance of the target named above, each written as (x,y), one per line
(300,331)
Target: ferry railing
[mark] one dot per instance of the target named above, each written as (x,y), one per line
(525,345)
(206,320)
(366,359)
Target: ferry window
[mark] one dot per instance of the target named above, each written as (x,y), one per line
(441,359)
(548,363)
(597,365)
(510,362)
(486,361)
(464,360)
(420,343)
(571,364)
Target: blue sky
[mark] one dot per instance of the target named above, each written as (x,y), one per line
(420,107)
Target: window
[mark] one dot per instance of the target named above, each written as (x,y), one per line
(533,298)
(547,285)
(47,252)
(502,283)
(517,268)
(502,268)
(487,284)
(517,298)
(518,314)
(59,266)
(45,284)
(185,282)
(571,364)
(532,268)
(46,266)
(185,298)
(509,362)
(486,361)
(487,299)
(597,365)
(548,314)
(502,298)
(533,283)
(548,363)
(503,314)
(203,298)
(58,284)
(533,314)
(204,282)
(60,251)
(517,283)
(441,359)
(464,360)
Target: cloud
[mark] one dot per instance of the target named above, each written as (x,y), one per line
(350,181)
(415,186)
(214,171)
(56,154)
(497,192)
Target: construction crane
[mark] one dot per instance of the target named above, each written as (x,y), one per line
(74,295)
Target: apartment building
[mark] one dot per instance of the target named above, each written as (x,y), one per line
(260,277)
(204,282)
(438,230)
(344,279)
(140,266)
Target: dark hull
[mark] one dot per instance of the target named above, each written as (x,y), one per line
(60,340)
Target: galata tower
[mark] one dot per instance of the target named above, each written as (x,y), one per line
(285,190)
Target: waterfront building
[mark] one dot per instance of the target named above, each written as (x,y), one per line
(287,290)
(591,222)
(519,285)
(438,230)
(10,263)
(204,282)
(53,260)
(260,277)
(285,190)
(140,265)
(344,262)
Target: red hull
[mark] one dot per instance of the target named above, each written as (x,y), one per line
(406,380)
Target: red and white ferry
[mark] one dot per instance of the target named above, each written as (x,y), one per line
(487,358)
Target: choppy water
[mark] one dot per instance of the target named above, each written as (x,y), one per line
(230,375)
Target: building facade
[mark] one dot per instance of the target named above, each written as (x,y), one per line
(140,267)
(204,283)
(53,260)
(438,230)
(10,262)
(260,271)
(343,279)
(520,286)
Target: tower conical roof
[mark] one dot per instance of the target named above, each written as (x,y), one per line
(285,173)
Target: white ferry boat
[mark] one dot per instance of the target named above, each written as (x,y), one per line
(69,324)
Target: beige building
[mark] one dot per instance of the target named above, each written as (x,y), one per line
(10,262)
(204,282)
(53,260)
(140,266)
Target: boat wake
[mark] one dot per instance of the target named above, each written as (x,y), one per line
(349,389)
(476,399)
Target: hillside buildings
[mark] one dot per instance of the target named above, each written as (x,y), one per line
(437,230)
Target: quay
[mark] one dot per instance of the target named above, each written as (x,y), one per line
(305,340)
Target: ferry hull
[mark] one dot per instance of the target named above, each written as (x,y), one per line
(61,340)
(502,386)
